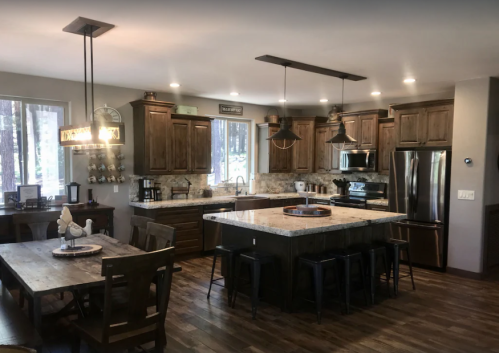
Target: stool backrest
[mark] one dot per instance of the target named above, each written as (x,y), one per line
(160,236)
(138,230)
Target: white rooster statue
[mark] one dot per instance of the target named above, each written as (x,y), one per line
(70,230)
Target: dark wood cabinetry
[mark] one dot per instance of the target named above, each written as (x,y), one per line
(363,126)
(303,150)
(424,124)
(386,137)
(327,158)
(271,158)
(166,143)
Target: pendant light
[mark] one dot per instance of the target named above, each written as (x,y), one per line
(341,137)
(284,134)
(91,134)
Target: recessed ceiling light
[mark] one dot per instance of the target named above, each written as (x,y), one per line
(234,93)
(324,100)
(282,100)
(409,80)
(375,93)
(174,84)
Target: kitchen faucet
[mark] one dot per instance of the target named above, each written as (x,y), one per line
(237,185)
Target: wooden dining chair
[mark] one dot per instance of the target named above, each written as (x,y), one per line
(160,236)
(138,231)
(134,325)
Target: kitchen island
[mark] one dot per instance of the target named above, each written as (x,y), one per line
(288,237)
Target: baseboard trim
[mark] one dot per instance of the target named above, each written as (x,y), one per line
(465,274)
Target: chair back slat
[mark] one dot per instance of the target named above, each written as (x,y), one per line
(160,236)
(38,222)
(138,231)
(139,272)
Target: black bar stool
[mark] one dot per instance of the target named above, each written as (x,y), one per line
(373,253)
(347,258)
(230,252)
(319,263)
(255,259)
(394,247)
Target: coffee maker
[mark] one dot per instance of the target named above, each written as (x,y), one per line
(146,190)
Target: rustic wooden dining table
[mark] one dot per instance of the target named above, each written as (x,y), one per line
(40,273)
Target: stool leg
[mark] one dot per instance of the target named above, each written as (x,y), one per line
(318,287)
(212,272)
(347,284)
(295,285)
(229,280)
(236,279)
(363,278)
(387,272)
(338,285)
(410,267)
(396,264)
(255,287)
(372,274)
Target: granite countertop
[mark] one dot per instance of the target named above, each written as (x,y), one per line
(215,200)
(272,220)
(380,202)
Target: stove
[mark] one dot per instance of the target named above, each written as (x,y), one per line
(359,193)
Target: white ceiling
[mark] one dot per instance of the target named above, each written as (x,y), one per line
(209,46)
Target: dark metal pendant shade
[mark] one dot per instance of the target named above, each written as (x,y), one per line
(342,136)
(284,133)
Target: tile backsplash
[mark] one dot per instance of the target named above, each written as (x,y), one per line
(264,183)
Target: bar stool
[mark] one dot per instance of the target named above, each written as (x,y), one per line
(394,247)
(230,252)
(347,258)
(255,259)
(373,253)
(319,263)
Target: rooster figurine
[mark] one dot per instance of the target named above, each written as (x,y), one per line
(70,229)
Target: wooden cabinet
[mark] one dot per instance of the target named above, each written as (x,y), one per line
(166,143)
(363,127)
(424,124)
(327,158)
(272,159)
(386,136)
(303,150)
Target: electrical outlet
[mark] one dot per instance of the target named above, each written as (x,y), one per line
(466,195)
(254,241)
(116,188)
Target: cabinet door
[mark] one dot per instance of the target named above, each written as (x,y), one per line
(333,152)
(386,146)
(322,150)
(156,140)
(201,147)
(438,126)
(279,159)
(180,146)
(368,131)
(303,150)
(409,127)
(352,128)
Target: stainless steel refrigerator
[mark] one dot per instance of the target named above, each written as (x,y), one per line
(419,186)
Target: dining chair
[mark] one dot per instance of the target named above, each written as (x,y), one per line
(159,236)
(134,325)
(138,231)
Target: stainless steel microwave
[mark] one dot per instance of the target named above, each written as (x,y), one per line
(358,160)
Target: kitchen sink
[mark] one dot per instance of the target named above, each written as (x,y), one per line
(251,202)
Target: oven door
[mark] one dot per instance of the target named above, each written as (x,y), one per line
(348,204)
(358,160)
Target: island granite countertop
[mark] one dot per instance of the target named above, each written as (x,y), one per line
(272,220)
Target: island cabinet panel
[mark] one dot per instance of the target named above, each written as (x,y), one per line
(303,150)
(188,222)
(424,124)
(327,158)
(363,127)
(386,146)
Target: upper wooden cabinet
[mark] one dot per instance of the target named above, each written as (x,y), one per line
(386,138)
(363,127)
(271,158)
(166,143)
(327,158)
(424,124)
(303,150)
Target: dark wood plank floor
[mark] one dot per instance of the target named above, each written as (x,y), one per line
(445,314)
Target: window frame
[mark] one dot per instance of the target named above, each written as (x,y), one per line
(228,120)
(24,133)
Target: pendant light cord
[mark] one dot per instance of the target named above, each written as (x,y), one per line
(342,92)
(92,67)
(85,70)
(284,107)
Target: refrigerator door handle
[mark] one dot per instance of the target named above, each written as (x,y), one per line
(411,194)
(367,160)
(415,185)
(416,226)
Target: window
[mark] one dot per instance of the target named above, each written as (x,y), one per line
(229,150)
(29,145)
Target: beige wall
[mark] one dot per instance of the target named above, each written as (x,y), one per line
(116,97)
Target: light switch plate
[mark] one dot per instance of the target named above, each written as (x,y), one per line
(466,195)
(116,188)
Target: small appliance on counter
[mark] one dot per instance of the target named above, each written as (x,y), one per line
(146,190)
(158,196)
(300,186)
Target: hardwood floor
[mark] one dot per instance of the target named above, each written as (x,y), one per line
(444,314)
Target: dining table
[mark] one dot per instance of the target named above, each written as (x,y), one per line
(40,273)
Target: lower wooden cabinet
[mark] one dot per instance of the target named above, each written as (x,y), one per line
(386,146)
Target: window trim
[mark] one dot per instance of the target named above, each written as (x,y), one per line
(248,147)
(24,101)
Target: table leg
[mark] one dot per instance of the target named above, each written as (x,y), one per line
(36,304)
(111,223)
